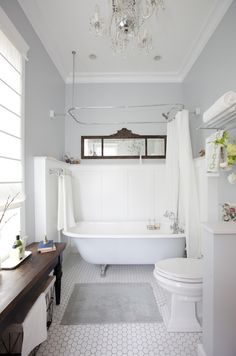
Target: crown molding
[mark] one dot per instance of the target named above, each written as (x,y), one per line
(129,77)
(44,36)
(209,27)
(200,42)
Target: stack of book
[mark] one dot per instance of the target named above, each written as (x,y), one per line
(46,247)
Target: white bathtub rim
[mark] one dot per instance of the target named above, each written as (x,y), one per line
(123,236)
(146,234)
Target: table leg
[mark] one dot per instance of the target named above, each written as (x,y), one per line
(58,274)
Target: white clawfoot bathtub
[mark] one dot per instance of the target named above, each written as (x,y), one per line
(125,242)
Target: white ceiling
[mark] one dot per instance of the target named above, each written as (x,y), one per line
(179,34)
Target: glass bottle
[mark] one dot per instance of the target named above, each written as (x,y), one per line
(19,245)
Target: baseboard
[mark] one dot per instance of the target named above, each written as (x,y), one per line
(200,350)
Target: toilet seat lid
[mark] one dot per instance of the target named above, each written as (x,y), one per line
(182,269)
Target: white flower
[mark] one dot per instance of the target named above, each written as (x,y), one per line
(232,178)
(225,166)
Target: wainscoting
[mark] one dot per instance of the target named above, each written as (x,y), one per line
(116,192)
(108,192)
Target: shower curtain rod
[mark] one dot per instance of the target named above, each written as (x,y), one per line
(72,110)
(174,108)
(168,116)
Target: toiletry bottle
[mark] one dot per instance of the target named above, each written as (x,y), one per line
(45,241)
(18,245)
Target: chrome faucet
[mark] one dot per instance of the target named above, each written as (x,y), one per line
(169,214)
(175,228)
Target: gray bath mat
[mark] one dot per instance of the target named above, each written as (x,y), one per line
(98,303)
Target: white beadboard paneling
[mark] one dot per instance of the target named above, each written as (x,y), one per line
(51,200)
(40,197)
(203,191)
(87,185)
(109,193)
(118,192)
(140,193)
(200,169)
(113,194)
(160,191)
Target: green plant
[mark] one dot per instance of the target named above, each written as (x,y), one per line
(229,148)
(223,140)
(231,153)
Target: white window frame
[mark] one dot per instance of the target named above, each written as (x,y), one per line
(18,41)
(22,215)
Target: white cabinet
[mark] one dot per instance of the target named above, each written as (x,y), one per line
(219,290)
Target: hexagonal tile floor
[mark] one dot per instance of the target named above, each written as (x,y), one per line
(137,339)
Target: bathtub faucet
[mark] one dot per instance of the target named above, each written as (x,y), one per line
(176,229)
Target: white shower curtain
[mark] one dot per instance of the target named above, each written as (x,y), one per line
(181,178)
(172,168)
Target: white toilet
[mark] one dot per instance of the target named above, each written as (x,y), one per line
(182,277)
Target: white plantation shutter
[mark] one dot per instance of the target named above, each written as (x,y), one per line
(11,71)
(13,50)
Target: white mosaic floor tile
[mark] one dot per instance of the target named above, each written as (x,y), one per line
(139,339)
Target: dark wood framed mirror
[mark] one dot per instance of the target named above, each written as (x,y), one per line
(123,144)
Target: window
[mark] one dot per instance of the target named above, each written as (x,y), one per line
(11,138)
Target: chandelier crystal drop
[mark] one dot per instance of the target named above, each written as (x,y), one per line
(126,23)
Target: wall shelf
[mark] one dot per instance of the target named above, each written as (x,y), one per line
(226,120)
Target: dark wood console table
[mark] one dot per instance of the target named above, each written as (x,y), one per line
(18,284)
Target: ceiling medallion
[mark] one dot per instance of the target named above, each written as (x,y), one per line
(126,23)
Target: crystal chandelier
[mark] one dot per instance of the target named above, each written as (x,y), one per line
(126,23)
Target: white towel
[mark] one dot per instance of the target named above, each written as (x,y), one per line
(65,203)
(35,326)
(220,107)
(213,152)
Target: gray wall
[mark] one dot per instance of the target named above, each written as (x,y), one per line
(213,74)
(44,90)
(117,94)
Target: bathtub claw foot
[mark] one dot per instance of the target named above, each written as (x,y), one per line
(103,270)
